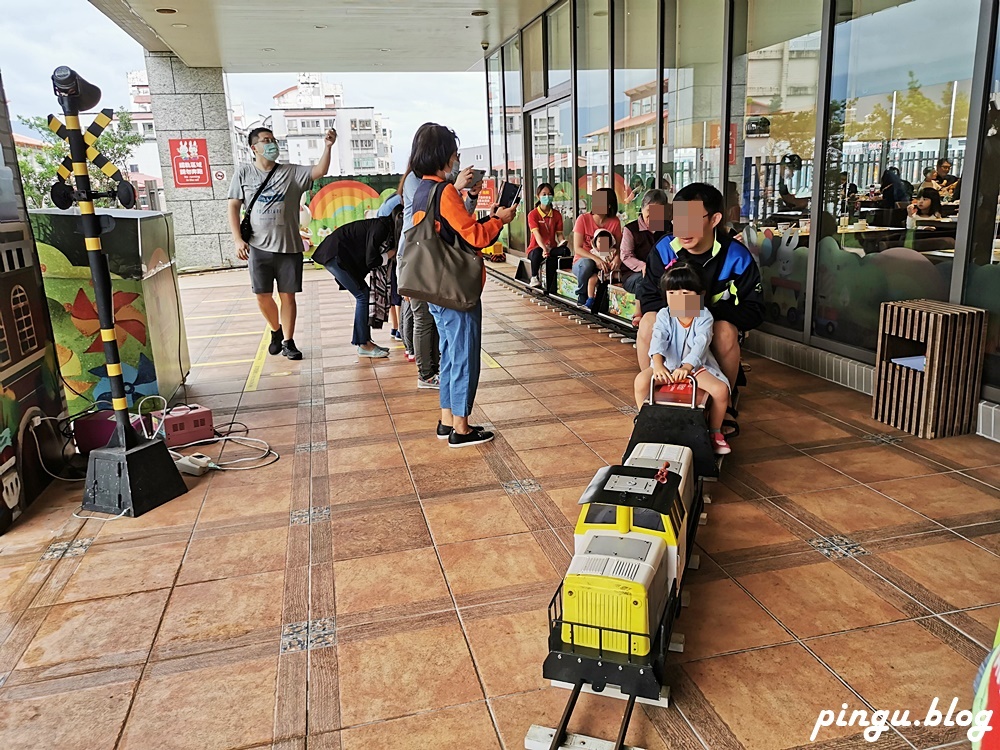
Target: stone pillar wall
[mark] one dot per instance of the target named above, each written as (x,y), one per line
(191,103)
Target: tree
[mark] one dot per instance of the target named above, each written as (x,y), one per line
(38,167)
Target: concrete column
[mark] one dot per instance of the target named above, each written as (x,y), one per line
(191,103)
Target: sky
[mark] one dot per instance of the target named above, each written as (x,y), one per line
(33,46)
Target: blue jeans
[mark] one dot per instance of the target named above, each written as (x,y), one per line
(461,336)
(362,330)
(583,269)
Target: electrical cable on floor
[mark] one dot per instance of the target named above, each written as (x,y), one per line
(267,454)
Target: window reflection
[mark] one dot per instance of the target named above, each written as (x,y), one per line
(892,115)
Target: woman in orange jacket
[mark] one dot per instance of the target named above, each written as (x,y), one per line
(434,157)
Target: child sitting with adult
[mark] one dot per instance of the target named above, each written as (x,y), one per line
(728,271)
(681,346)
(587,263)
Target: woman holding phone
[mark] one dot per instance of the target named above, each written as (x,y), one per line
(435,153)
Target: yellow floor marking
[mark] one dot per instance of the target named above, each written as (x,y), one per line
(228,315)
(253,379)
(219,364)
(223,335)
(489,361)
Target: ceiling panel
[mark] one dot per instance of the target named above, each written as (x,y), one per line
(334,35)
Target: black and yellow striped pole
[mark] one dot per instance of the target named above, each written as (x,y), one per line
(131,475)
(99,271)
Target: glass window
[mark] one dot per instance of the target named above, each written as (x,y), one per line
(534,62)
(515,233)
(552,154)
(692,73)
(558,51)
(598,513)
(774,95)
(645,518)
(494,93)
(982,276)
(634,82)
(593,116)
(541,148)
(891,118)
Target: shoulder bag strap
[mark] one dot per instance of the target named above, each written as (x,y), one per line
(261,188)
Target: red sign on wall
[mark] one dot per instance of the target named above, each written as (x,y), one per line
(486,196)
(189,159)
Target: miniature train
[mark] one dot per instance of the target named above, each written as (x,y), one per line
(611,620)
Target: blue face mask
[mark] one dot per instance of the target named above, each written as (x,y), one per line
(545,200)
(270,151)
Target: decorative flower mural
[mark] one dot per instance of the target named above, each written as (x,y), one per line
(128,320)
(139,381)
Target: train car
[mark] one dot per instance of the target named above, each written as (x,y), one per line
(611,620)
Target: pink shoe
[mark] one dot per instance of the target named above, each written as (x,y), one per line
(411,358)
(720,445)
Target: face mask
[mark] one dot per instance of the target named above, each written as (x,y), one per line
(270,151)
(455,171)
(545,200)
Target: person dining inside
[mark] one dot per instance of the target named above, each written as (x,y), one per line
(791,164)
(945,178)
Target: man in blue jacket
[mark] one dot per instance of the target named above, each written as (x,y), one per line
(728,270)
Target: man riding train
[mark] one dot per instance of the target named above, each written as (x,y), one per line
(729,273)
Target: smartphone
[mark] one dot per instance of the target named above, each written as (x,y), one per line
(478,175)
(510,195)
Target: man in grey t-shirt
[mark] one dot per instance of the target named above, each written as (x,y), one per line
(275,250)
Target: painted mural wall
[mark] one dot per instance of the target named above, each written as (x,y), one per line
(29,384)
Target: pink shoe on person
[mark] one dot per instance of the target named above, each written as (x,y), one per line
(720,445)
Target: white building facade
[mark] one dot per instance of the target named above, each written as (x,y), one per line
(302,114)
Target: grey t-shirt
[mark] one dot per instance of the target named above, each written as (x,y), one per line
(275,217)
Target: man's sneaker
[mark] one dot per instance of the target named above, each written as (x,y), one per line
(396,334)
(474,437)
(536,282)
(288,349)
(589,304)
(720,445)
(376,352)
(444,432)
(276,338)
(434,383)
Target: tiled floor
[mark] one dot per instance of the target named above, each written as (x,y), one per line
(375,590)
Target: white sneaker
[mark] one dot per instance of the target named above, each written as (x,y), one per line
(434,383)
(536,282)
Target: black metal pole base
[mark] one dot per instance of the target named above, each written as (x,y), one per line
(131,479)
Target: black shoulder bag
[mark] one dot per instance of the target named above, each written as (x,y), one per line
(246,228)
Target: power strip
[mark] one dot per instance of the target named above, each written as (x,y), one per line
(196,464)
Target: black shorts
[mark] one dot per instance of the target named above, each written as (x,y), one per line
(266,268)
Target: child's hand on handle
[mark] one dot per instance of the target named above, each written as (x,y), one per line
(661,374)
(679,375)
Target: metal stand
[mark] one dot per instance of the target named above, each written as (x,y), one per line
(132,474)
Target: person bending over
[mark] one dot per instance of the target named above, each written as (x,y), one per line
(727,269)
(586,263)
(546,226)
(681,346)
(351,253)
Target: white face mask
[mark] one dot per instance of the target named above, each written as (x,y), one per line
(456,170)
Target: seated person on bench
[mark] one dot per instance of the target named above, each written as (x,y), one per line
(728,271)
(586,263)
(681,346)
(547,241)
(642,234)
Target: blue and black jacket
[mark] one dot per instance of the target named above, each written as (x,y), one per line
(730,275)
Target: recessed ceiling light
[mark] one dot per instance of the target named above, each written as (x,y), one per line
(385,49)
(166,11)
(600,13)
(319,26)
(267,49)
(179,25)
(480,13)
